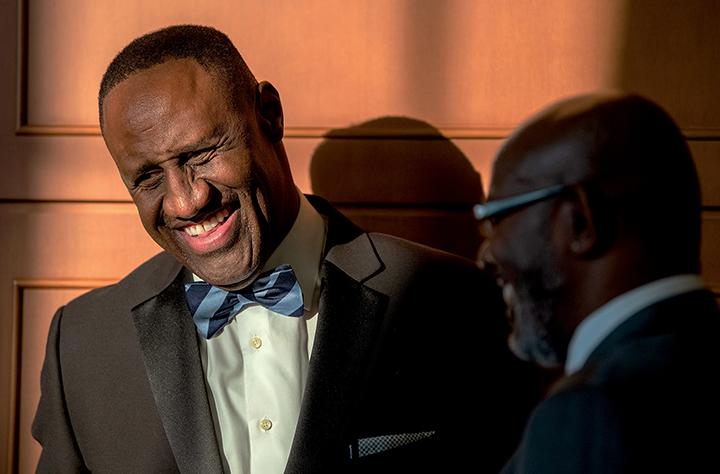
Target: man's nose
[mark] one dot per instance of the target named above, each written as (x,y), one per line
(184,196)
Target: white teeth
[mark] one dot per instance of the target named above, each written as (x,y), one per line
(210,223)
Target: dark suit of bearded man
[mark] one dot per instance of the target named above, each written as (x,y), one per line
(395,360)
(639,402)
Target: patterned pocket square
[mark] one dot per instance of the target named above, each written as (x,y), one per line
(379,444)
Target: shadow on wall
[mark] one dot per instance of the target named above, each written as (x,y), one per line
(401,176)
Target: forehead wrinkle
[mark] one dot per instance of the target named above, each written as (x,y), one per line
(148,90)
(180,130)
(143,111)
(203,140)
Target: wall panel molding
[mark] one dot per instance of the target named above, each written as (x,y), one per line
(22,52)
(488,129)
(306,132)
(19,287)
(709,134)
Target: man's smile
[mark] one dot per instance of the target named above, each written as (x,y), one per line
(212,233)
(208,224)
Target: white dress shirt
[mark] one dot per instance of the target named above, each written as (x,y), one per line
(256,366)
(601,322)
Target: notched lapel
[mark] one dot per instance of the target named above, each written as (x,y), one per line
(172,360)
(357,259)
(348,329)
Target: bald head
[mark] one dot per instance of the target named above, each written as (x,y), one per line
(633,158)
(604,199)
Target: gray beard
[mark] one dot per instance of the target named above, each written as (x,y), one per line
(532,317)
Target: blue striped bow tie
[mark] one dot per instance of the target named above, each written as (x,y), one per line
(212,308)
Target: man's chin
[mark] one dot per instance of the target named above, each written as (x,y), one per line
(518,349)
(235,283)
(223,273)
(536,351)
(227,281)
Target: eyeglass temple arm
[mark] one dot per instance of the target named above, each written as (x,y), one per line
(491,208)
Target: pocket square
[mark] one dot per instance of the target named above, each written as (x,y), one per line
(379,444)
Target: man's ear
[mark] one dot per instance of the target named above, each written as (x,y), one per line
(587,239)
(269,111)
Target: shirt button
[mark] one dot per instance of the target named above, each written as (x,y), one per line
(255,342)
(265,424)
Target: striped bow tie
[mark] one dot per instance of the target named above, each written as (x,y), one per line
(212,308)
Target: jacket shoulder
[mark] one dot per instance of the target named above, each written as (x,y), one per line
(404,260)
(389,246)
(149,277)
(387,263)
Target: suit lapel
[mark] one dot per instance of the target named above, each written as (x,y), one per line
(172,360)
(350,317)
(170,350)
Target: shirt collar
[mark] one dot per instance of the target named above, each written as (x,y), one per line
(302,248)
(601,322)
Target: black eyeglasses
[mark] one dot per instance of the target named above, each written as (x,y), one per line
(490,212)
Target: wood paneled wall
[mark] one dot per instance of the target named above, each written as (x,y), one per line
(394,109)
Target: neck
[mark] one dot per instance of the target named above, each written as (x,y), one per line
(592,283)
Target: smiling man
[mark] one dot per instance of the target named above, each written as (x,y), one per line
(272,334)
(593,229)
(210,189)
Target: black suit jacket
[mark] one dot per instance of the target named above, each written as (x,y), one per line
(410,346)
(645,401)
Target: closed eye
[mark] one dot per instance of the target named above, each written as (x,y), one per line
(199,157)
(148,180)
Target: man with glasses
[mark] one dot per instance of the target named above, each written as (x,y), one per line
(593,230)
